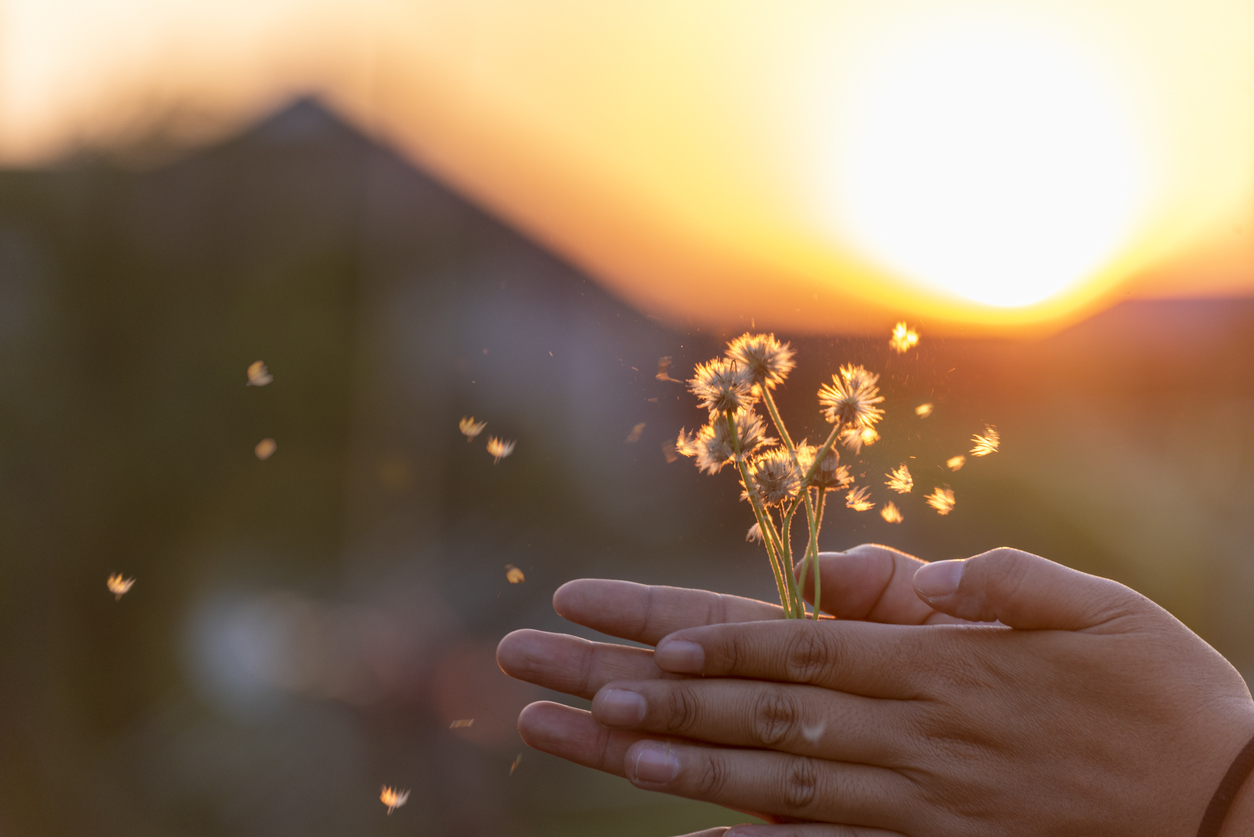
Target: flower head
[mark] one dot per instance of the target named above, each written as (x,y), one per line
(986,444)
(499,448)
(903,339)
(118,586)
(773,478)
(829,473)
(899,479)
(891,513)
(722,385)
(470,428)
(767,359)
(859,499)
(941,499)
(393,798)
(712,445)
(851,397)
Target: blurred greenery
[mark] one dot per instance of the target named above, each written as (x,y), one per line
(303,630)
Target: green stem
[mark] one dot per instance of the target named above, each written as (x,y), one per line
(814,551)
(765,525)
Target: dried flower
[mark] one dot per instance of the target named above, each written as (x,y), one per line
(904,338)
(891,513)
(773,478)
(712,444)
(829,474)
(986,444)
(768,360)
(393,798)
(499,448)
(941,499)
(514,575)
(899,479)
(722,385)
(923,410)
(851,397)
(258,375)
(754,535)
(859,499)
(265,449)
(955,463)
(470,428)
(118,586)
(634,435)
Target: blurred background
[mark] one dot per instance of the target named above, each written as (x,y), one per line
(418,212)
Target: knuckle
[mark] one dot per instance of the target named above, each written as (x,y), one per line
(774,718)
(682,709)
(800,784)
(712,779)
(808,657)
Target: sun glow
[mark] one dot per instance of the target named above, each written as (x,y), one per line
(990,160)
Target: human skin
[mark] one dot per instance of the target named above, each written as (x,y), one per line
(1081,708)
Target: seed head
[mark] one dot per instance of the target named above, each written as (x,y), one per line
(986,444)
(712,445)
(923,410)
(854,437)
(118,586)
(470,428)
(722,385)
(829,474)
(904,338)
(859,499)
(899,479)
(393,797)
(773,478)
(891,513)
(767,359)
(941,499)
(851,397)
(754,535)
(955,463)
(499,448)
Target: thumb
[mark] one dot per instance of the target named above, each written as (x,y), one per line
(1024,591)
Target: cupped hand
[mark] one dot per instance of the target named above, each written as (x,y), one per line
(868,582)
(1088,710)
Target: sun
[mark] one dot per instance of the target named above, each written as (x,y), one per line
(990,160)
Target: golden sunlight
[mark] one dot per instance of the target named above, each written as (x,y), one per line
(990,159)
(813,166)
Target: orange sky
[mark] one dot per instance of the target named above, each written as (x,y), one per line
(808,165)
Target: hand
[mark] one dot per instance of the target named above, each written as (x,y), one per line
(868,582)
(1094,712)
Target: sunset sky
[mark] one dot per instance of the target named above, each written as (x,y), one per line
(810,165)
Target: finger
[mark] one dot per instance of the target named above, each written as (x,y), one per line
(807,829)
(778,783)
(570,664)
(572,734)
(709,832)
(1026,591)
(871,583)
(861,658)
(644,613)
(802,720)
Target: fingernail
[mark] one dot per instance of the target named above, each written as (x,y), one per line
(940,579)
(618,707)
(679,656)
(653,763)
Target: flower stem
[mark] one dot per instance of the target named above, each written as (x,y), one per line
(770,538)
(814,550)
